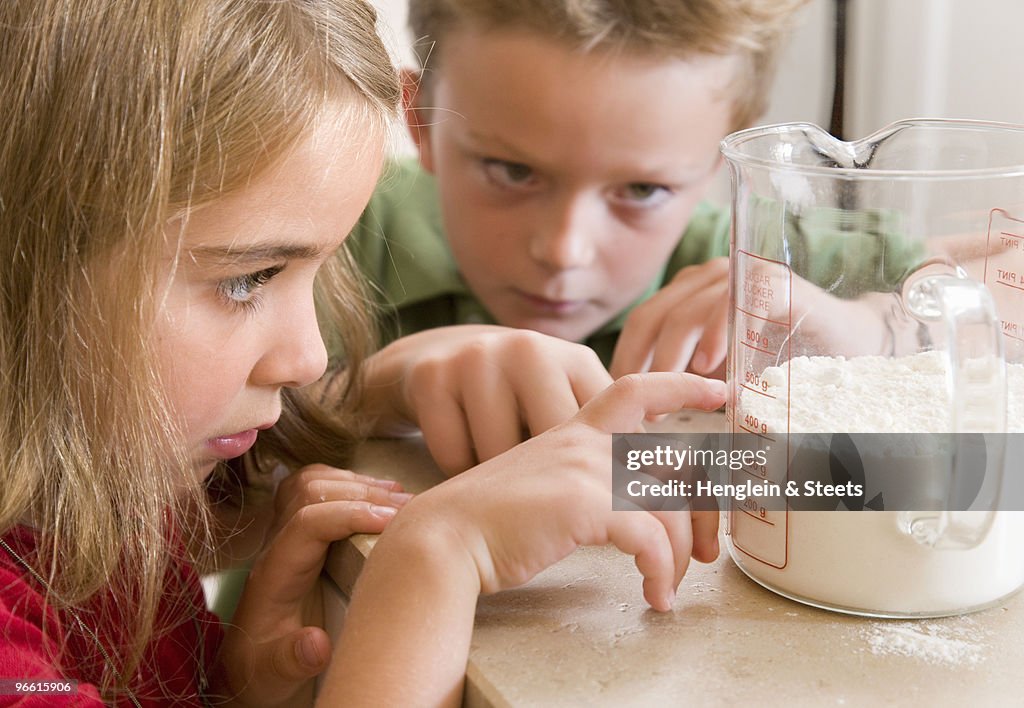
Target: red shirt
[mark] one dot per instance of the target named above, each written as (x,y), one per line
(41,643)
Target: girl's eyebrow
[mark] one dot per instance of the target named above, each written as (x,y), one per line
(254,253)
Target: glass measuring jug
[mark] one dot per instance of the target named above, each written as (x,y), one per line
(877,287)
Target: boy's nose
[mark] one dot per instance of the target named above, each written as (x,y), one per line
(566,237)
(296,355)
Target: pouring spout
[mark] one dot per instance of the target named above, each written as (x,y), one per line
(916,149)
(851,155)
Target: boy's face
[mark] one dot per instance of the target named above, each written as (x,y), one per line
(566,179)
(238,323)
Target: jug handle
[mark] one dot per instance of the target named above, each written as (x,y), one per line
(976,382)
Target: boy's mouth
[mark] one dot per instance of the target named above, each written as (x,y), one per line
(549,306)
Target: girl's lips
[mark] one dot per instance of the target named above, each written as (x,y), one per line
(230,446)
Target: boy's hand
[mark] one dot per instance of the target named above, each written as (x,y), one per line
(685,324)
(476,391)
(821,323)
(520,512)
(682,326)
(274,645)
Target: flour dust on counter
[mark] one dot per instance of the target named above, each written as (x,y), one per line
(957,642)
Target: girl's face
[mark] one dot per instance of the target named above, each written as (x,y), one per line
(237,323)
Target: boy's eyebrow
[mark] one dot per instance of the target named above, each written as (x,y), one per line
(495,141)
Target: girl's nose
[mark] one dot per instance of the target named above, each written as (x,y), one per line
(295,354)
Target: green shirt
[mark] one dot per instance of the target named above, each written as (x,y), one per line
(401,247)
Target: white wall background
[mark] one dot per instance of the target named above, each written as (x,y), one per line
(936,59)
(391,25)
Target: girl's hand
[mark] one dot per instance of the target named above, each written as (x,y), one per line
(477,391)
(528,508)
(495,527)
(275,645)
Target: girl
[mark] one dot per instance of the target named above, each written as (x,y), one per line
(172,178)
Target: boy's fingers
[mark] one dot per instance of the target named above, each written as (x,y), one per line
(675,348)
(633,348)
(559,393)
(446,434)
(644,327)
(622,407)
(640,339)
(710,352)
(590,383)
(649,332)
(493,414)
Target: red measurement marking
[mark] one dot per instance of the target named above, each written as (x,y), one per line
(754,432)
(759,317)
(757,390)
(1009,285)
(755,475)
(758,349)
(754,516)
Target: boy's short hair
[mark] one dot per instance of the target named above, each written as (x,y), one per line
(751,30)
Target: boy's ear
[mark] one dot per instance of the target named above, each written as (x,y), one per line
(417,118)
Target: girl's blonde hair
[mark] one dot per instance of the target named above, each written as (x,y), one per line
(117,117)
(750,30)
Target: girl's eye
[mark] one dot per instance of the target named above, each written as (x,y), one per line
(646,194)
(243,291)
(508,174)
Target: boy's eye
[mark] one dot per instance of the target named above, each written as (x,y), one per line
(243,290)
(508,174)
(642,193)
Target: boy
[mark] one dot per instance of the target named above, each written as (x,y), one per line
(564,148)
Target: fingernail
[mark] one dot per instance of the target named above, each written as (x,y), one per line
(670,598)
(384,512)
(385,483)
(399,497)
(699,362)
(305,650)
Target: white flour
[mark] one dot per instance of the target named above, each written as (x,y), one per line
(863,561)
(954,642)
(868,394)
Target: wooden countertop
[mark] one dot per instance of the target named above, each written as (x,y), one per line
(580,633)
